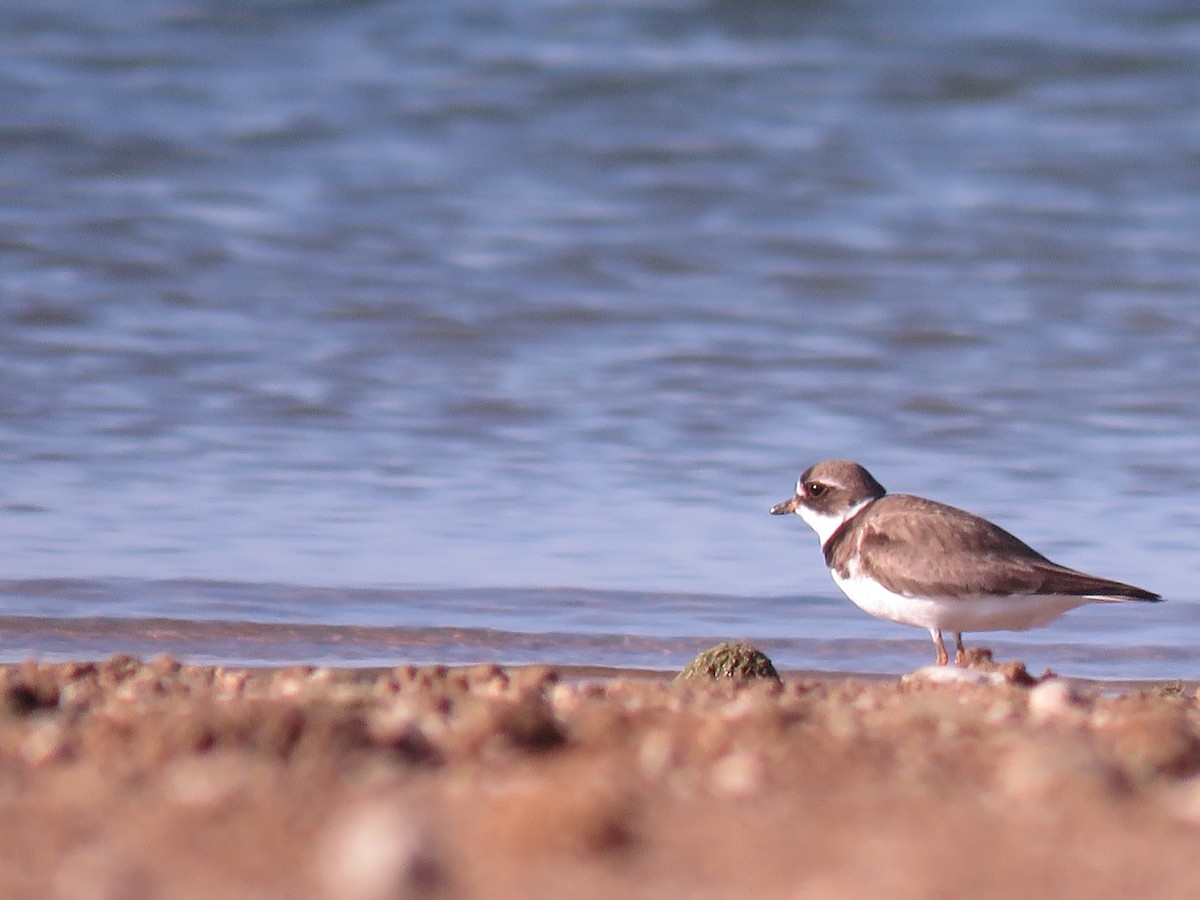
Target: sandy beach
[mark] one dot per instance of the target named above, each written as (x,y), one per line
(130,779)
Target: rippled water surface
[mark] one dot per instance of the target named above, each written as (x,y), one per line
(375,331)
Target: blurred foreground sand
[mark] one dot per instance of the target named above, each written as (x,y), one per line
(124,779)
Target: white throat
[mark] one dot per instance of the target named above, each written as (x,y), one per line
(825,525)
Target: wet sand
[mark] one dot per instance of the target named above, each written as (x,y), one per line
(124,779)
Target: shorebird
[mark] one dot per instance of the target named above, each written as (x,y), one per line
(923,563)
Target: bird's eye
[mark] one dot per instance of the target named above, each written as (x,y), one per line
(814,489)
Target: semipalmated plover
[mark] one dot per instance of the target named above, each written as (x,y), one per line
(924,563)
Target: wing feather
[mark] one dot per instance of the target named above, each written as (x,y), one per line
(900,547)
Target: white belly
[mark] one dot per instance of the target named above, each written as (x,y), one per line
(986,613)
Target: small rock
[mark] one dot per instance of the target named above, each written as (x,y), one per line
(378,851)
(139,688)
(45,745)
(71,671)
(26,696)
(955,675)
(533,678)
(398,728)
(321,675)
(118,667)
(79,695)
(164,664)
(231,684)
(739,774)
(288,684)
(1167,689)
(529,723)
(736,660)
(1053,699)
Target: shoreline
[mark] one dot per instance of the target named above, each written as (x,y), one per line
(125,778)
(581,672)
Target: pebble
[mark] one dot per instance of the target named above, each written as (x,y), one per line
(738,774)
(45,745)
(231,684)
(1053,699)
(954,675)
(378,851)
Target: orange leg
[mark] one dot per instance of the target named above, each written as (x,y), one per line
(943,656)
(960,652)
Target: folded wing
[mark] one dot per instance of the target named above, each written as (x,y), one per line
(962,554)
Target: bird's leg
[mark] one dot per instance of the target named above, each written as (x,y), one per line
(943,656)
(960,652)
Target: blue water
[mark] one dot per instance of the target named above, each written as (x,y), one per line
(255,624)
(494,330)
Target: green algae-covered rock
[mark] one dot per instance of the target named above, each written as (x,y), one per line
(733,659)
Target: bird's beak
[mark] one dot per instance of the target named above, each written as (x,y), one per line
(787,506)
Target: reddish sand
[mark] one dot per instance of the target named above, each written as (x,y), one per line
(126,780)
